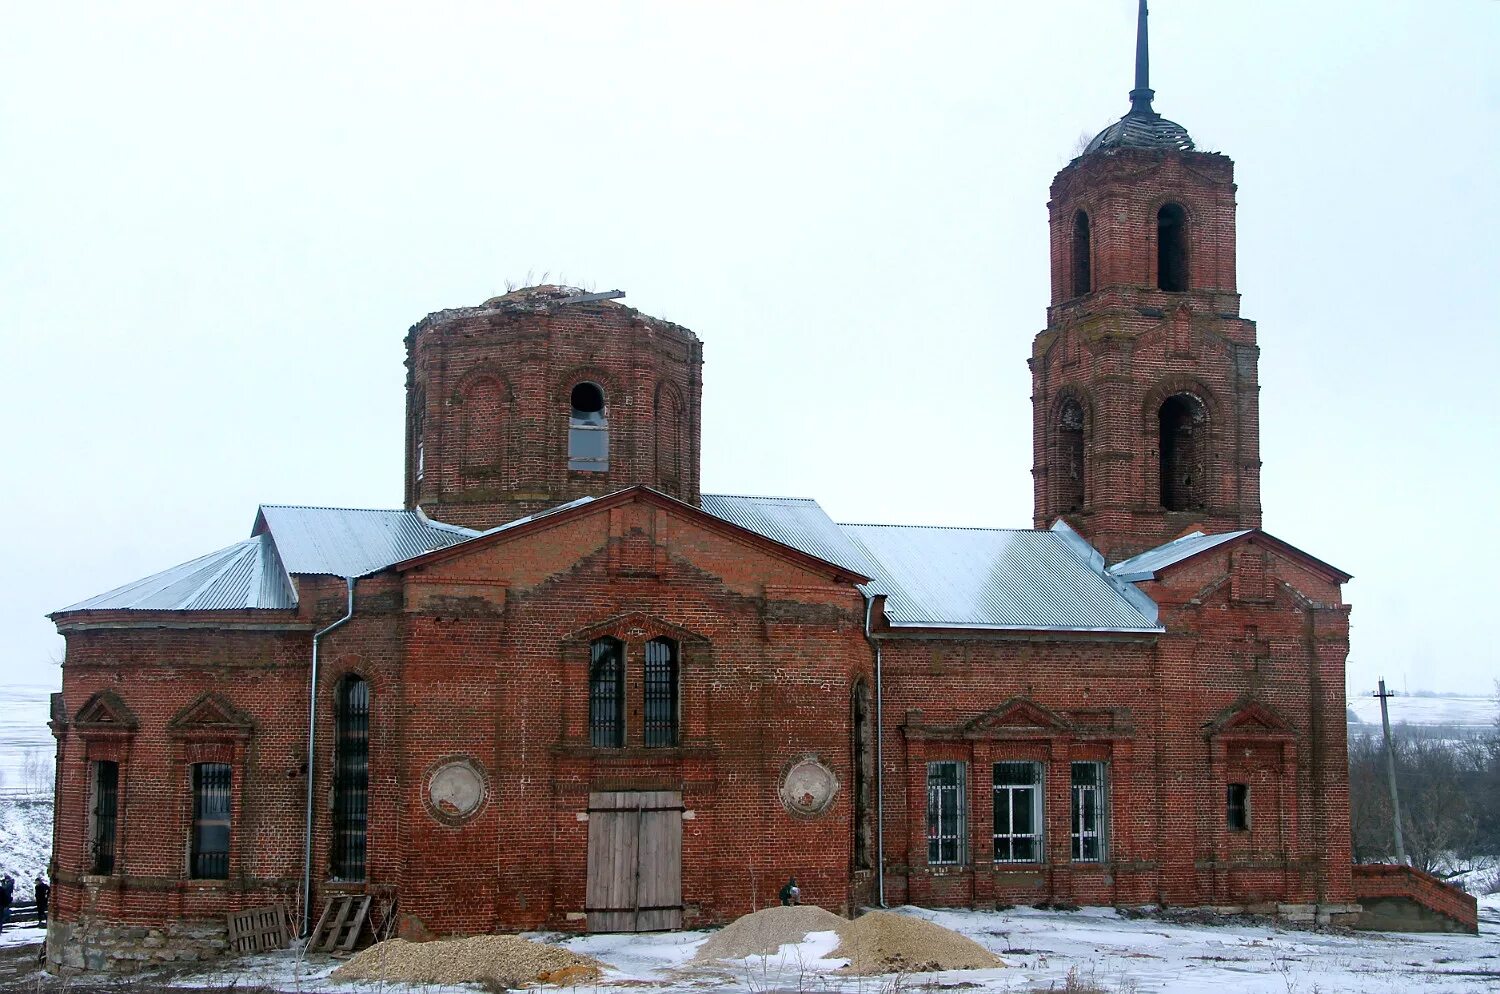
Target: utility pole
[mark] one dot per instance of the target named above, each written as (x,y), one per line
(1390,772)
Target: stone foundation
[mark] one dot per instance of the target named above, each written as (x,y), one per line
(105,948)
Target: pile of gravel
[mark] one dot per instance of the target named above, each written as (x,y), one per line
(507,959)
(883,942)
(767,930)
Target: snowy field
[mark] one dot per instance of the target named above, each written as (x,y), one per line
(1478,713)
(23,729)
(1094,950)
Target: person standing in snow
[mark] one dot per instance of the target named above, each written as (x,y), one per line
(7,889)
(43,891)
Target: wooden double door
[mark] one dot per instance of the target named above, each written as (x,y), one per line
(635,861)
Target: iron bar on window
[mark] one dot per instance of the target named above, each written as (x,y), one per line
(351,779)
(946,814)
(105,815)
(661,693)
(607,693)
(211,807)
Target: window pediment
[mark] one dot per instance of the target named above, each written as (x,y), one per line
(1249,719)
(105,713)
(211,714)
(636,626)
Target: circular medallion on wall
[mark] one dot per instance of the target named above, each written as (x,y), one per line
(455,790)
(808,787)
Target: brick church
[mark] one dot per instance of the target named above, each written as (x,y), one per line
(564,688)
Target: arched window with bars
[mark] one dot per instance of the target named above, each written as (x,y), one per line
(607,693)
(351,777)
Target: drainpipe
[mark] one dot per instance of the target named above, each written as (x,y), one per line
(312,726)
(879,762)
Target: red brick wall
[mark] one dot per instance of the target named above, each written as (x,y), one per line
(1122,349)
(1382,880)
(1240,689)
(485,657)
(488,394)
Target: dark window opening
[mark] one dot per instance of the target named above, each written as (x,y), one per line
(351,779)
(1183,425)
(588,431)
(861,765)
(660,728)
(1071,488)
(211,805)
(607,693)
(104,789)
(1018,812)
(1171,248)
(1090,812)
(1083,278)
(1238,807)
(947,814)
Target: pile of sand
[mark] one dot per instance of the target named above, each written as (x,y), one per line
(508,959)
(767,930)
(883,942)
(877,942)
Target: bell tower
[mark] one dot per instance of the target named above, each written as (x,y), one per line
(544,395)
(1145,406)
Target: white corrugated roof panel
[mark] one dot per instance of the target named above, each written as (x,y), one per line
(1145,565)
(244,575)
(342,541)
(794,521)
(996,579)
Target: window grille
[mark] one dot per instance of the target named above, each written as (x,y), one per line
(211,806)
(1089,812)
(661,693)
(351,779)
(103,815)
(607,694)
(1018,813)
(1238,805)
(946,813)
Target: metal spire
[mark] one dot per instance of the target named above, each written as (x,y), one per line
(1140,97)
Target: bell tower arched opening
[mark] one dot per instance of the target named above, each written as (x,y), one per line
(1182,421)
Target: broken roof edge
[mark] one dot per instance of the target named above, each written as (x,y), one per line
(1091,557)
(946,626)
(571,509)
(1124,570)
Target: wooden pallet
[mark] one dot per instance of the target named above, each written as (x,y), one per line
(257,930)
(340,925)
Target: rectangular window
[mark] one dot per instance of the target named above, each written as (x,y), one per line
(1018,812)
(946,814)
(1090,812)
(211,793)
(660,728)
(588,448)
(1238,806)
(104,790)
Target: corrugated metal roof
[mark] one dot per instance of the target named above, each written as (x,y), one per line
(794,521)
(244,575)
(1145,565)
(341,541)
(996,579)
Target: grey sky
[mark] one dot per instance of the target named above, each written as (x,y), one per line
(218,222)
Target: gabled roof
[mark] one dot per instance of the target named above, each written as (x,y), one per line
(1004,579)
(342,541)
(1150,563)
(640,492)
(247,574)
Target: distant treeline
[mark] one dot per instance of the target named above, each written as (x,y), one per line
(1448,781)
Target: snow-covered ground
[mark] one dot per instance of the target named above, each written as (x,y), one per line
(25,840)
(1450,711)
(1094,950)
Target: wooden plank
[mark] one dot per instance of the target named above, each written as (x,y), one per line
(313,940)
(356,926)
(325,942)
